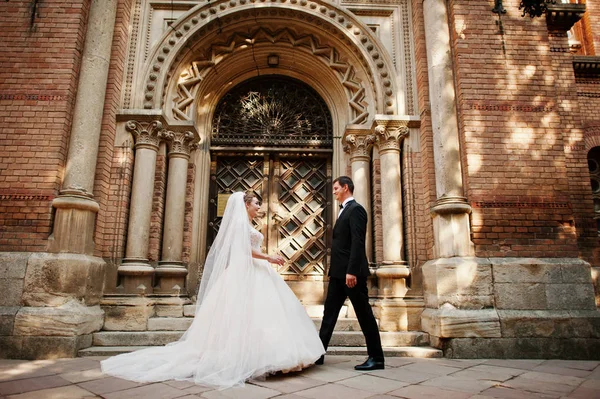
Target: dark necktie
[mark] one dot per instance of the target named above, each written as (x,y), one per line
(341,206)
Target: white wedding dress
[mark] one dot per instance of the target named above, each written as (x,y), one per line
(248,322)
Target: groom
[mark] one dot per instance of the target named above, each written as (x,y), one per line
(348,274)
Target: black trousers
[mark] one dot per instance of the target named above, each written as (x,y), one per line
(337,293)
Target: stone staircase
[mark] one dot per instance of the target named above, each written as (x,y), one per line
(347,338)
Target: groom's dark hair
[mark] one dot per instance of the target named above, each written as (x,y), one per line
(345,181)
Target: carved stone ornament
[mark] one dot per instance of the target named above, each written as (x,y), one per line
(390,135)
(359,145)
(180,143)
(147,134)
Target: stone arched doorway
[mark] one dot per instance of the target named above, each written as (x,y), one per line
(273,135)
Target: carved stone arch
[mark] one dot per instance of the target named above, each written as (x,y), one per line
(338,40)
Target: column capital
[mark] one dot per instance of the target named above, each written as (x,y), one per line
(390,133)
(181,143)
(358,143)
(147,134)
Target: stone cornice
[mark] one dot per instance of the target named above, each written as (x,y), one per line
(562,17)
(586,65)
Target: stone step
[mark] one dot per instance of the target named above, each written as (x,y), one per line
(312,310)
(183,323)
(340,338)
(408,351)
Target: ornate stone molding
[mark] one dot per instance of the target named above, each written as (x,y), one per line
(359,145)
(191,78)
(332,19)
(180,143)
(147,134)
(562,17)
(586,66)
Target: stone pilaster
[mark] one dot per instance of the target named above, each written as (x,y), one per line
(136,273)
(444,277)
(358,143)
(171,272)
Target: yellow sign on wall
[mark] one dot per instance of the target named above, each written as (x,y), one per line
(221,203)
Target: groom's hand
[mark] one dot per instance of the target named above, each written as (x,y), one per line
(350,280)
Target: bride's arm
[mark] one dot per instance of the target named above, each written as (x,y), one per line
(269,258)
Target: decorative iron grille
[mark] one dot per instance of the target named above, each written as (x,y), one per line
(273,112)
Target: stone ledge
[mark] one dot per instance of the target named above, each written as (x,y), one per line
(450,322)
(519,348)
(550,323)
(70,319)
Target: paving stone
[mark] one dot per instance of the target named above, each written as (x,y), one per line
(31,384)
(248,391)
(398,374)
(430,368)
(573,364)
(563,371)
(108,385)
(373,383)
(328,374)
(334,391)
(525,364)
(560,379)
(541,387)
(490,373)
(82,376)
(69,392)
(426,392)
(151,391)
(584,393)
(460,384)
(288,383)
(512,393)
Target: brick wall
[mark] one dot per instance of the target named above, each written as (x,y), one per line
(425,167)
(520,133)
(39,66)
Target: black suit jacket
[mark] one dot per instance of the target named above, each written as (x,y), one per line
(348,255)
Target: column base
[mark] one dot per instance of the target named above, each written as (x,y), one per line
(136,276)
(74,224)
(170,278)
(399,314)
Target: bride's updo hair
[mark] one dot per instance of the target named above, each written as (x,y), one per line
(248,197)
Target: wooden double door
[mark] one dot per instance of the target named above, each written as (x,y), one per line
(295,191)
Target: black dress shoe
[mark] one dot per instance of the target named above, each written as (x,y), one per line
(320,360)
(370,364)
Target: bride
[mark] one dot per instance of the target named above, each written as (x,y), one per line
(248,322)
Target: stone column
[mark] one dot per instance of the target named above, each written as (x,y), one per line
(390,133)
(392,270)
(171,272)
(358,142)
(75,207)
(451,210)
(135,272)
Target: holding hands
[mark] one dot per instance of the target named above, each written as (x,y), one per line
(277,259)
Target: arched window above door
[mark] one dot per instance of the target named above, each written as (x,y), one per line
(272,111)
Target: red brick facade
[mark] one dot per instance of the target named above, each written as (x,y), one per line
(39,66)
(526,124)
